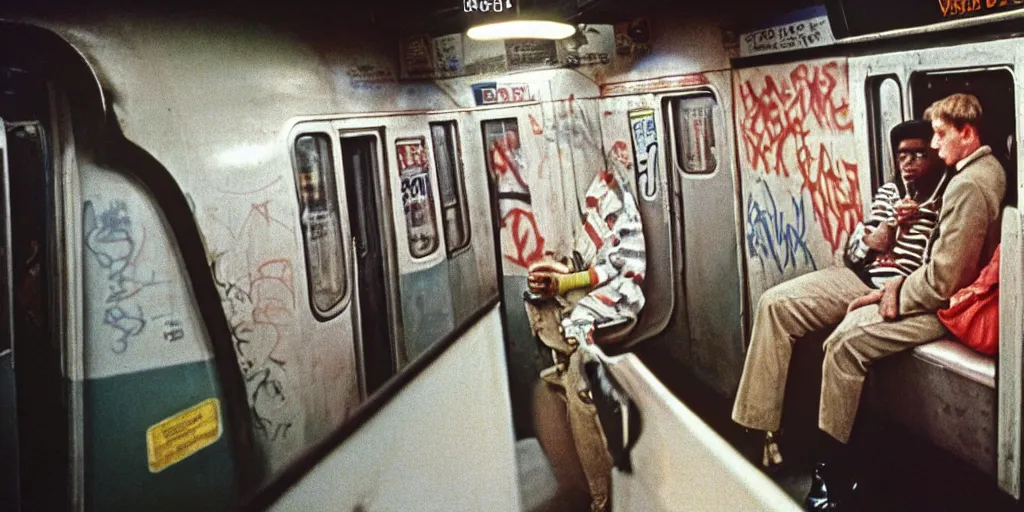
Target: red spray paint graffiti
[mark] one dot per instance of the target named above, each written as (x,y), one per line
(514,201)
(535,126)
(778,115)
(620,152)
(835,195)
(528,242)
(776,121)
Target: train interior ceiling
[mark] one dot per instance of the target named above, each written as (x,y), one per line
(313,225)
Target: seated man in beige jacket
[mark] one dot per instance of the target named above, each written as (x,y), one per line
(875,323)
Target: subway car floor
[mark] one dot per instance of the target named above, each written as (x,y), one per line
(898,472)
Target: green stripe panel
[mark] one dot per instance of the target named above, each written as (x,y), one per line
(119,410)
(427,313)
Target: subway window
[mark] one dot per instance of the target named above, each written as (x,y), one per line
(887,96)
(693,124)
(451,184)
(417,197)
(321,222)
(501,137)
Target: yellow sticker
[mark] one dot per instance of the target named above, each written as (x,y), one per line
(183,434)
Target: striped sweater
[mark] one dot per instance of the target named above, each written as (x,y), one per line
(913,239)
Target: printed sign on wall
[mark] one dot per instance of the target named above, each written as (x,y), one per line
(183,434)
(416,58)
(798,35)
(493,93)
(529,53)
(645,152)
(448,55)
(632,39)
(590,45)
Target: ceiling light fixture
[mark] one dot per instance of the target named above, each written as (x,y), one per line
(521,29)
(503,19)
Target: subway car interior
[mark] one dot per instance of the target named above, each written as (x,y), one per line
(387,256)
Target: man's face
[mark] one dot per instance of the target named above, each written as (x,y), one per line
(950,142)
(916,159)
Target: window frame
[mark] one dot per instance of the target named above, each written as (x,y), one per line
(717,119)
(879,143)
(430,196)
(345,251)
(458,177)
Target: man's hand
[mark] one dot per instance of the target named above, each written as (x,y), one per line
(544,284)
(889,307)
(543,277)
(880,240)
(872,298)
(907,210)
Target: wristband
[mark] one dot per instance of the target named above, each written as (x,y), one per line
(573,281)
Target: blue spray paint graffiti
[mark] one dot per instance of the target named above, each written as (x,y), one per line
(110,238)
(770,236)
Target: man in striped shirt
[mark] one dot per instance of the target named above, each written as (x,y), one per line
(897,238)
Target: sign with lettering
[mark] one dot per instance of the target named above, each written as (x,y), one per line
(487,5)
(645,152)
(858,17)
(183,434)
(531,53)
(416,57)
(448,55)
(798,35)
(958,8)
(493,93)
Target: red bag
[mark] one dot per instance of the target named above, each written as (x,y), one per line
(973,312)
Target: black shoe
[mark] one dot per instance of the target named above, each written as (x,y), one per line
(831,489)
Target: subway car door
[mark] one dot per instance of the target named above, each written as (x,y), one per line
(362,158)
(699,161)
(33,413)
(9,468)
(420,248)
(528,180)
(463,201)
(633,137)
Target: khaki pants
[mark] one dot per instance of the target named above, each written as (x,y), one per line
(805,305)
(566,419)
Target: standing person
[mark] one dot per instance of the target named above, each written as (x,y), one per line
(891,311)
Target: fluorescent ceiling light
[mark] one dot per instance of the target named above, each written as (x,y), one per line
(521,30)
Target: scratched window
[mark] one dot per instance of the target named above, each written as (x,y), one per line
(452,186)
(321,224)
(693,124)
(887,96)
(417,196)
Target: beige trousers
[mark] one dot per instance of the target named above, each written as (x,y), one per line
(566,419)
(808,304)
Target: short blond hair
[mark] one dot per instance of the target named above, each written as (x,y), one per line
(956,109)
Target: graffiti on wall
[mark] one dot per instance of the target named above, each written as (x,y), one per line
(257,289)
(526,244)
(567,141)
(775,238)
(645,151)
(417,197)
(797,121)
(117,245)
